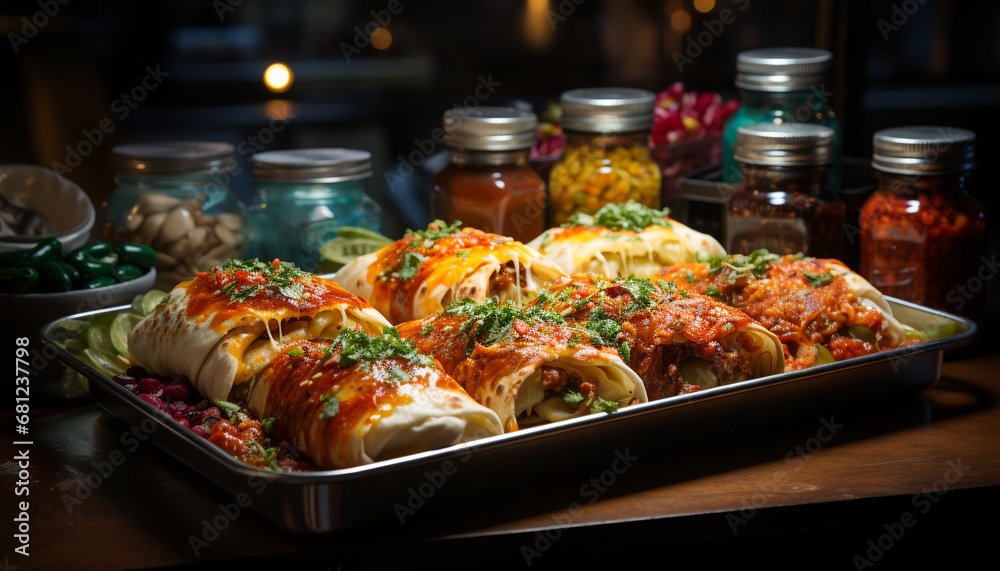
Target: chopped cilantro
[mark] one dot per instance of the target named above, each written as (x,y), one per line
(818,280)
(714,292)
(280,276)
(668,287)
(411,263)
(625,352)
(461,254)
(575,340)
(437,230)
(267,424)
(427,329)
(601,405)
(296,352)
(491,321)
(756,265)
(572,398)
(358,346)
(630,216)
(331,405)
(690,277)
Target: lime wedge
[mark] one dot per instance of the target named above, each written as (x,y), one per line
(823,355)
(123,324)
(150,300)
(99,337)
(103,361)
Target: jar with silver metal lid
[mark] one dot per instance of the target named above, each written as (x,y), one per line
(305,199)
(489,183)
(782,85)
(922,232)
(175,197)
(607,157)
(783,204)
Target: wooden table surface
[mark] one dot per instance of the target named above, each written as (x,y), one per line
(909,480)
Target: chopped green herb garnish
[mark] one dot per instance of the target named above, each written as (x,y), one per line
(625,352)
(331,405)
(427,329)
(601,405)
(267,424)
(437,230)
(572,398)
(630,216)
(358,346)
(714,292)
(818,280)
(492,321)
(668,287)
(280,277)
(575,340)
(296,352)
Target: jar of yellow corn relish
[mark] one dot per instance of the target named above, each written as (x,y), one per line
(607,157)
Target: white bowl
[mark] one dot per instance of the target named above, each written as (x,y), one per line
(66,206)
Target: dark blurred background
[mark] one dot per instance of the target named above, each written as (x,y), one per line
(198,69)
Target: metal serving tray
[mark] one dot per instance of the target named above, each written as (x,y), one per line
(398,488)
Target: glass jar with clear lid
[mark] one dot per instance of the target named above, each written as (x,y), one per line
(922,232)
(607,157)
(489,183)
(782,85)
(175,198)
(305,197)
(783,204)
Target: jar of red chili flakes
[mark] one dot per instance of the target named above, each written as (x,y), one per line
(922,233)
(783,204)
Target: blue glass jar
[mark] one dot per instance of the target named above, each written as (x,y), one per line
(304,197)
(782,85)
(175,198)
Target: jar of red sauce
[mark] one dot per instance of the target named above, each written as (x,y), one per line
(489,183)
(783,204)
(922,233)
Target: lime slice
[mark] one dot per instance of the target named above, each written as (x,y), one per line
(103,361)
(356,232)
(103,319)
(343,250)
(150,300)
(99,337)
(123,324)
(136,306)
(76,325)
(75,345)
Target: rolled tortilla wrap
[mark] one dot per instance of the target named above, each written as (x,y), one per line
(675,341)
(224,326)
(527,366)
(623,240)
(425,271)
(343,412)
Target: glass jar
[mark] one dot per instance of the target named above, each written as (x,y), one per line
(607,157)
(175,198)
(782,85)
(489,183)
(922,233)
(304,197)
(783,204)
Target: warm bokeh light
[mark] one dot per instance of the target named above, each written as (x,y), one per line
(704,5)
(537,30)
(381,38)
(279,110)
(278,77)
(680,20)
